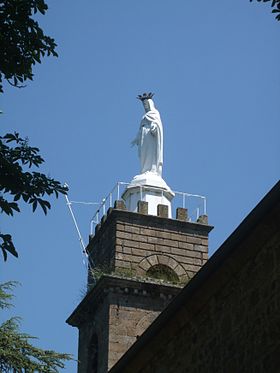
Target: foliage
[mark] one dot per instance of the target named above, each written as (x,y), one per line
(17,183)
(17,354)
(22,41)
(275,4)
(5,296)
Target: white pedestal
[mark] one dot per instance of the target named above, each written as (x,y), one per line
(151,188)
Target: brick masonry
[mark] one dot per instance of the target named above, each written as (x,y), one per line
(131,314)
(135,242)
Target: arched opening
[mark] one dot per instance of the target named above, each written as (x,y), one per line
(163,272)
(93,355)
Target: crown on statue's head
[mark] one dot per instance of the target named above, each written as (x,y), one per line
(145,96)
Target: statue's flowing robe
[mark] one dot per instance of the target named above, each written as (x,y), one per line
(150,141)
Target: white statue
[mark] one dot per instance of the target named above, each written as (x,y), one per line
(149,185)
(150,138)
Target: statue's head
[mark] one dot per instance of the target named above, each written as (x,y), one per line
(147,105)
(147,101)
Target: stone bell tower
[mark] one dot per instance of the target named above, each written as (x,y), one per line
(139,257)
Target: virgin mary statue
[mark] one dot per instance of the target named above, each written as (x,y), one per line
(150,138)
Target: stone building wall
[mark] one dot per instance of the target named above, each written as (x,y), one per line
(130,315)
(227,319)
(124,334)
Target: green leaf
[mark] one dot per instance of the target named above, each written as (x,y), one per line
(4,252)
(42,204)
(14,206)
(17,197)
(34,206)
(25,197)
(7,246)
(47,204)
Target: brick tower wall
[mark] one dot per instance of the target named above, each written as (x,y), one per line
(123,298)
(132,310)
(132,243)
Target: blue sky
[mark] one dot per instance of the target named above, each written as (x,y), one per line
(214,67)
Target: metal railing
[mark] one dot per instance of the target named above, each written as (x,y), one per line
(107,202)
(201,209)
(196,204)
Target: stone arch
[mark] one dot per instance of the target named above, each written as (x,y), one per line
(165,260)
